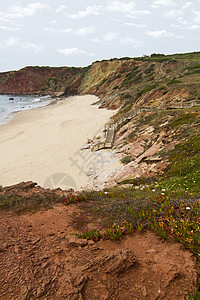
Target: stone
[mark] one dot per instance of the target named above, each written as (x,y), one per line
(78,242)
(144,291)
(90,243)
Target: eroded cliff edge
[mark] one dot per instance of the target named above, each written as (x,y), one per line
(126,82)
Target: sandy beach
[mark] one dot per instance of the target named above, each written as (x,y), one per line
(43,145)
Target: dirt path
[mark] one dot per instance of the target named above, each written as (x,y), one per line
(40,260)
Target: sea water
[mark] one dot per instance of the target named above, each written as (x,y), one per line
(10,104)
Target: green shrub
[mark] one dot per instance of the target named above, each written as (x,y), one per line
(126,95)
(187,118)
(127,159)
(195,296)
(138,79)
(148,88)
(174,81)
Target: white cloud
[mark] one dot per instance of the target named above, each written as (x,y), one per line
(174,13)
(90,10)
(3,19)
(28,46)
(85,31)
(28,10)
(107,38)
(70,51)
(160,33)
(197,16)
(194,27)
(130,41)
(79,31)
(159,3)
(185,26)
(61,8)
(9,28)
(135,25)
(15,43)
(127,8)
(63,30)
(53,22)
(9,16)
(18,11)
(112,37)
(138,13)
(10,42)
(122,7)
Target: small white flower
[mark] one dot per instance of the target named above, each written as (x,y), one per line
(162,193)
(147,185)
(136,187)
(187,207)
(153,190)
(163,190)
(106,193)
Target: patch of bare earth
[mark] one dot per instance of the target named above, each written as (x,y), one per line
(39,259)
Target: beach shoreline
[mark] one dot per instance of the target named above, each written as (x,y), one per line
(43,145)
(12,104)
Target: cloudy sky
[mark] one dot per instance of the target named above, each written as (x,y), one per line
(79,32)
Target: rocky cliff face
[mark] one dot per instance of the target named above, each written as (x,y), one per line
(37,80)
(128,83)
(150,81)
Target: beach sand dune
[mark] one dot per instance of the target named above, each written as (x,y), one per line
(43,145)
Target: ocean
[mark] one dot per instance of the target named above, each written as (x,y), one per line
(10,104)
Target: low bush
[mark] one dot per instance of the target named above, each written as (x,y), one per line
(127,159)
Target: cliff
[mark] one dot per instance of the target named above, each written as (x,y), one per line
(127,82)
(37,80)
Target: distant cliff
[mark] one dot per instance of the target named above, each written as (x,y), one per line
(126,82)
(37,80)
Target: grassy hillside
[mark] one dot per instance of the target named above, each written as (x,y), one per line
(155,80)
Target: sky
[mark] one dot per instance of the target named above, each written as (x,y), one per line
(79,32)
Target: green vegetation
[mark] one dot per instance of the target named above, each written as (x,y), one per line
(144,208)
(126,95)
(28,204)
(127,159)
(186,118)
(137,79)
(195,296)
(183,175)
(147,89)
(130,77)
(174,81)
(102,82)
(150,69)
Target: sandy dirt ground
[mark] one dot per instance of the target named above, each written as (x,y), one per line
(39,259)
(43,145)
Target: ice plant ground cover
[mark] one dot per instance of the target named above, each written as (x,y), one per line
(127,212)
(143,208)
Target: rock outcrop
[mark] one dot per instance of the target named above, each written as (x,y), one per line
(29,196)
(37,80)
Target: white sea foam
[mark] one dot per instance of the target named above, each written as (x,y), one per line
(10,104)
